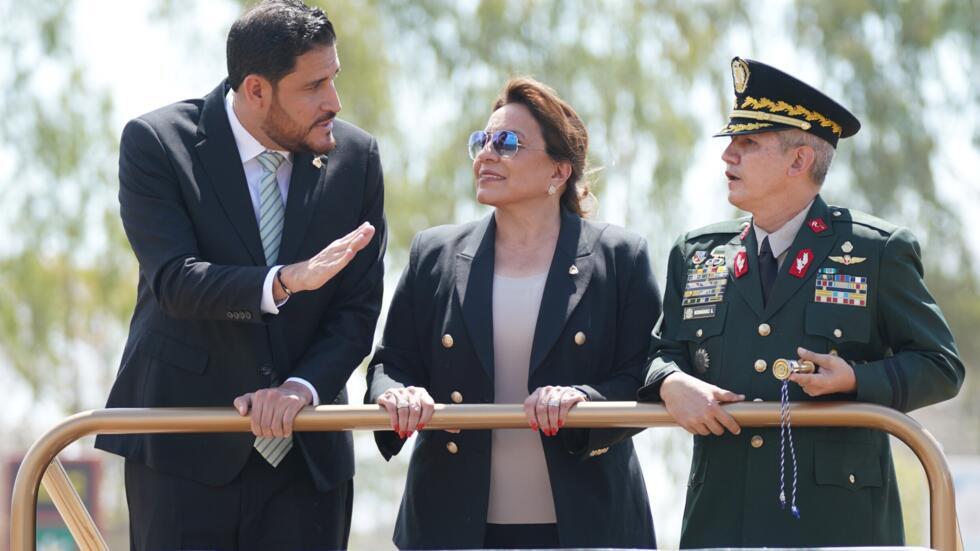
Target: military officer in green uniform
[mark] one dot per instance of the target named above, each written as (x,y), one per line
(798,281)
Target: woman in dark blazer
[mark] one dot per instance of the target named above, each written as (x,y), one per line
(531,304)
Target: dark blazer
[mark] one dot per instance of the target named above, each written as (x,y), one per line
(198,336)
(610,297)
(902,350)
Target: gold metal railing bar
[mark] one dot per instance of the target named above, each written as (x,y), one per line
(942,512)
(71,508)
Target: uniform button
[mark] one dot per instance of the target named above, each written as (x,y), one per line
(850,478)
(757,400)
(580,338)
(757,441)
(833,351)
(838,333)
(447,341)
(452,448)
(456,397)
(760,365)
(764,329)
(836,213)
(699,332)
(265,369)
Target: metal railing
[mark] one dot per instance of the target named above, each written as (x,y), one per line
(942,506)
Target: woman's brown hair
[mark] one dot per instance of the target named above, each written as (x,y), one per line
(565,136)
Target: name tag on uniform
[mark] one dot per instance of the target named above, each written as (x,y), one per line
(705,285)
(700,312)
(836,288)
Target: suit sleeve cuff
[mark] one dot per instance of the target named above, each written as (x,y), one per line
(659,370)
(876,383)
(304,382)
(269,304)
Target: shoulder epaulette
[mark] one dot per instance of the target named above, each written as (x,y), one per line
(726,227)
(863,219)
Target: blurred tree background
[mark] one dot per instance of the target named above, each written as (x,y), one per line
(650,78)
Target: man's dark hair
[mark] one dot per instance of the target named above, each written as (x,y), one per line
(268,38)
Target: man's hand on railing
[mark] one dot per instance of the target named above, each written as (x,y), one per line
(274,409)
(696,405)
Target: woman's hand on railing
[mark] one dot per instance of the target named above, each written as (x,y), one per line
(410,409)
(547,407)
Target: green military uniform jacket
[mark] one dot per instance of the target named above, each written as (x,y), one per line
(875,313)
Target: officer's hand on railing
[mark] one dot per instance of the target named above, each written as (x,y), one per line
(547,407)
(410,409)
(696,405)
(834,375)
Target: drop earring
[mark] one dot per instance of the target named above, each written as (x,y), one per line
(552,189)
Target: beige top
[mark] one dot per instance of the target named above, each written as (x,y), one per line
(520,490)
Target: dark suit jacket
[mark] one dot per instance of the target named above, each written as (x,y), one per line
(198,336)
(600,497)
(904,358)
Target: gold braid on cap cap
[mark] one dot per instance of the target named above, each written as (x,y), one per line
(766,104)
(743,127)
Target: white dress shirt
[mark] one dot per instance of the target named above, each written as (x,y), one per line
(249,149)
(781,239)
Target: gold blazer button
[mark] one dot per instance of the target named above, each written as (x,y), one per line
(580,338)
(447,341)
(456,397)
(452,448)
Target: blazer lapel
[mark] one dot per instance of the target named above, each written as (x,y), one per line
(474,288)
(749,285)
(815,240)
(568,278)
(219,156)
(300,201)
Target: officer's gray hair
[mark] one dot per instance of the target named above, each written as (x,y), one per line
(823,152)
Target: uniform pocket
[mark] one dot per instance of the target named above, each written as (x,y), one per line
(850,465)
(704,339)
(838,323)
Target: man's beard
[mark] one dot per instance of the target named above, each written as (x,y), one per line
(289,134)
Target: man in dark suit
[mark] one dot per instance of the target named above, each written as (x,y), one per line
(256,217)
(799,284)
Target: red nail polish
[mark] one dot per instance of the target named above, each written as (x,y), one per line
(421,426)
(561,423)
(534,426)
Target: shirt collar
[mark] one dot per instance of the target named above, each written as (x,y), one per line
(248,147)
(781,239)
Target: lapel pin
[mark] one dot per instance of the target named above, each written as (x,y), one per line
(847,259)
(741,264)
(847,247)
(319,161)
(745,231)
(817,225)
(801,263)
(573,270)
